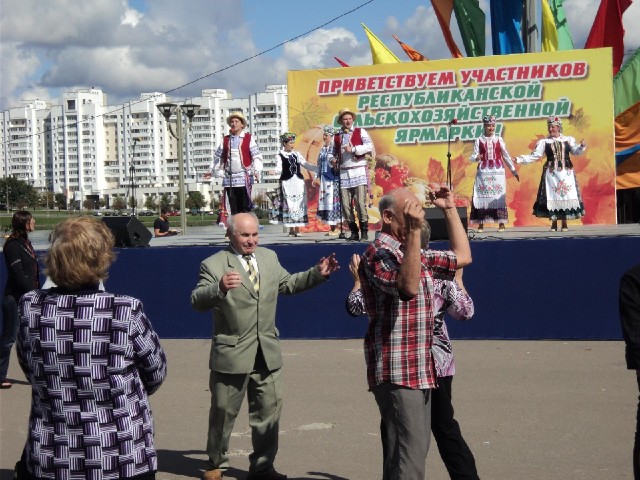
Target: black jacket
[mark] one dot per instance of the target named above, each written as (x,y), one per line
(629,299)
(23,272)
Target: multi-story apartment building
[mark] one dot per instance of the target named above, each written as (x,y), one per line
(87,150)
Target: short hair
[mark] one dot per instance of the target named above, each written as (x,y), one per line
(425,235)
(387,202)
(81,252)
(164,210)
(231,222)
(19,223)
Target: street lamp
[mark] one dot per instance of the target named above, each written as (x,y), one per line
(168,109)
(132,171)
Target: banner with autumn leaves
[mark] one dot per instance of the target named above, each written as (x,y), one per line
(419,112)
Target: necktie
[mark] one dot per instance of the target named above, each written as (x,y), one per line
(253,274)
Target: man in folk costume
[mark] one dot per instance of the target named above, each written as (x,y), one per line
(352,147)
(489,203)
(239,162)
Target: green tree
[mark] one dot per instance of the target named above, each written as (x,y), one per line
(60,201)
(118,203)
(165,200)
(47,199)
(195,200)
(151,203)
(18,193)
(88,204)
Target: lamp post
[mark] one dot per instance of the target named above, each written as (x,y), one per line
(132,172)
(168,109)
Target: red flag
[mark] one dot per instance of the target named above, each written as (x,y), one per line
(443,9)
(412,53)
(608,31)
(341,62)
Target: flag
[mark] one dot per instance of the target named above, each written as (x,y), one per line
(379,51)
(626,87)
(506,18)
(341,62)
(608,31)
(562,26)
(413,54)
(443,9)
(628,148)
(530,30)
(471,22)
(549,30)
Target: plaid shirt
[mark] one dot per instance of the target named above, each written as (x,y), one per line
(400,334)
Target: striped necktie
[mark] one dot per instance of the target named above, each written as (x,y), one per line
(253,274)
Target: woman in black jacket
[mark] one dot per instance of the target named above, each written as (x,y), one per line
(23,275)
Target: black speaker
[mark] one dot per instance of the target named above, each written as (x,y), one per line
(435,217)
(128,231)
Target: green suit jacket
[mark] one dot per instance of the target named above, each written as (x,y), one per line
(244,319)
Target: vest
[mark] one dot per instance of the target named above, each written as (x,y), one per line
(496,161)
(246,159)
(290,167)
(356,140)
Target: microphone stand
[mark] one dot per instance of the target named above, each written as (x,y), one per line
(342,236)
(449,182)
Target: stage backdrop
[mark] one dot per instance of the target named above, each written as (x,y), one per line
(407,109)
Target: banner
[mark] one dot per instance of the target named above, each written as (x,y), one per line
(407,108)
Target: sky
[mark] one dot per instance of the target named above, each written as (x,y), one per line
(180,47)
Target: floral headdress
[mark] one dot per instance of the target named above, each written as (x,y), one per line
(287,137)
(329,130)
(553,120)
(489,119)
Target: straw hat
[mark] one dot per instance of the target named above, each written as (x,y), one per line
(237,115)
(343,111)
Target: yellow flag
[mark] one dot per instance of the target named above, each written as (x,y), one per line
(549,30)
(379,51)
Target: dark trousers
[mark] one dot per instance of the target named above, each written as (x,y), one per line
(454,451)
(8,332)
(238,200)
(636,443)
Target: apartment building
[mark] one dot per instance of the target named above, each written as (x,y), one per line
(88,150)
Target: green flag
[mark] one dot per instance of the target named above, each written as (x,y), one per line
(626,87)
(564,35)
(471,20)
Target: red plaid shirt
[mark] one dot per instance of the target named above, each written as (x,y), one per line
(400,334)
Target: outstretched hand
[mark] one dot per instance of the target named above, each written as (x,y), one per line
(441,196)
(327,265)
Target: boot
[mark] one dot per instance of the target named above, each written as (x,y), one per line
(353,226)
(364,234)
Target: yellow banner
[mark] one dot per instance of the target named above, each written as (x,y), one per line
(419,113)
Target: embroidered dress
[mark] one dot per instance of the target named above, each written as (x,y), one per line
(558,193)
(489,203)
(329,195)
(293,207)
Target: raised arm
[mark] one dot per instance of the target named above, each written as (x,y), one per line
(442,198)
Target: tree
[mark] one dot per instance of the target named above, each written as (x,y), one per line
(195,200)
(165,200)
(60,201)
(18,193)
(119,203)
(47,199)
(88,204)
(150,203)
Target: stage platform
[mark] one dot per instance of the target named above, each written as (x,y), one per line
(527,283)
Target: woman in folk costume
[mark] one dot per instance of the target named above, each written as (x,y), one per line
(293,205)
(327,179)
(558,194)
(489,204)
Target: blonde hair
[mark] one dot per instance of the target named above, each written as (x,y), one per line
(81,252)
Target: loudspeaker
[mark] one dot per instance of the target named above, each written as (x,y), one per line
(128,231)
(435,217)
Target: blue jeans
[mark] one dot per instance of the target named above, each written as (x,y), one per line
(8,332)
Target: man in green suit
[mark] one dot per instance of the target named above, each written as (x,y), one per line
(241,285)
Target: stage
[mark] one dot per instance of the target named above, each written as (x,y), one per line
(527,283)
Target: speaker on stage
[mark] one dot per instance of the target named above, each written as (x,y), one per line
(435,217)
(128,231)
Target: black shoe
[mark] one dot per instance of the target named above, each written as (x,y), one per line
(364,236)
(354,237)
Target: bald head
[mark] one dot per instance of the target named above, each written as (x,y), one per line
(392,207)
(243,232)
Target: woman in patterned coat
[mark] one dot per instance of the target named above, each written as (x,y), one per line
(92,359)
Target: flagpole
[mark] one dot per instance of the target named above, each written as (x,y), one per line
(449,182)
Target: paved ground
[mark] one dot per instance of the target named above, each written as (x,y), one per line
(528,409)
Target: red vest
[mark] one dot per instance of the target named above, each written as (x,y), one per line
(245,151)
(356,140)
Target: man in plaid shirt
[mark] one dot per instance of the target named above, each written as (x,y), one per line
(397,284)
